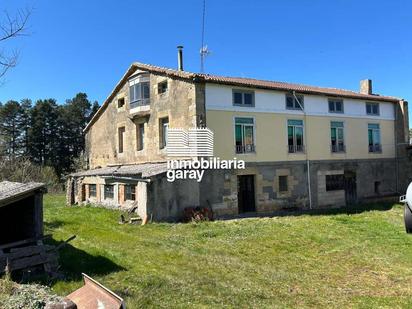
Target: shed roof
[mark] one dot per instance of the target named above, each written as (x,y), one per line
(141,170)
(14,191)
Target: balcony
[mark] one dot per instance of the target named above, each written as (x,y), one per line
(140,108)
(245,148)
(376,148)
(138,103)
(337,148)
(296,149)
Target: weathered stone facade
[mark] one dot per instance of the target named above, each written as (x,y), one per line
(178,103)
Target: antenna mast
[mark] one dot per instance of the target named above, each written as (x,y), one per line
(203,50)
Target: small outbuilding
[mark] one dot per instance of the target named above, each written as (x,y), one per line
(21,212)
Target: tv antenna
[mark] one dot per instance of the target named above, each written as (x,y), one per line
(204,51)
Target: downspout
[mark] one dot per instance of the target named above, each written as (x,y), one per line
(307,155)
(396,147)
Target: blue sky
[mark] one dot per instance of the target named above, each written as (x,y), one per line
(86,46)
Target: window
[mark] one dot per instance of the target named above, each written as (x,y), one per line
(140,136)
(131,192)
(243,98)
(337,140)
(244,135)
(162,87)
(374,137)
(120,103)
(139,91)
(108,191)
(372,108)
(295,136)
(163,128)
(121,133)
(292,103)
(283,183)
(335,106)
(377,187)
(335,182)
(92,190)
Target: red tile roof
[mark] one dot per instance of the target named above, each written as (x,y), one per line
(239,81)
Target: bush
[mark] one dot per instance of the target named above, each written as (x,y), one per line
(22,170)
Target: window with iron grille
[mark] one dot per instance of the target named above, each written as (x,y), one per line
(108,191)
(292,101)
(295,136)
(283,183)
(243,97)
(92,190)
(337,138)
(244,135)
(335,182)
(131,192)
(374,137)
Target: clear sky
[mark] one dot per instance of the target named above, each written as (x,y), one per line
(87,46)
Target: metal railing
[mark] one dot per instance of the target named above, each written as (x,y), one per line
(338,148)
(141,102)
(296,148)
(375,148)
(245,148)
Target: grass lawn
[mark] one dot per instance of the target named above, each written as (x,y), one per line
(331,260)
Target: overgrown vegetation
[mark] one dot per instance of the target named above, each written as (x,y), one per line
(362,258)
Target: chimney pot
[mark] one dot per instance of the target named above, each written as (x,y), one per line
(366,86)
(180,58)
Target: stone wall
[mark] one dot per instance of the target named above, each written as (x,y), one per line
(178,104)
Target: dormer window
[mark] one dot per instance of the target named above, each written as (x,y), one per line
(139,91)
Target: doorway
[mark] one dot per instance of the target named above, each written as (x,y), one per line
(246,193)
(350,188)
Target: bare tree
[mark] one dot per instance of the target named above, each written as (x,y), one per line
(11,27)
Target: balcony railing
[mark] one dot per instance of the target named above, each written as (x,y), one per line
(338,148)
(375,148)
(245,148)
(141,102)
(296,148)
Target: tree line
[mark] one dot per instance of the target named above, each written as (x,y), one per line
(45,133)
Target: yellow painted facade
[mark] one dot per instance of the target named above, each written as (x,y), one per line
(271,137)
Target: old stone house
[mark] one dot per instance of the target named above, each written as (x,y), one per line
(304,146)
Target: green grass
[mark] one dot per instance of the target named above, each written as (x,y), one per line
(326,260)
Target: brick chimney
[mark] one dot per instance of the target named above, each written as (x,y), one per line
(366,86)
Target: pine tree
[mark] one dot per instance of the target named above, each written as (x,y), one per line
(11,124)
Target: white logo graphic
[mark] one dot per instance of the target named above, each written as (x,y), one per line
(195,142)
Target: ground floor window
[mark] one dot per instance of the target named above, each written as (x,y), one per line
(283,183)
(92,190)
(335,182)
(108,191)
(131,192)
